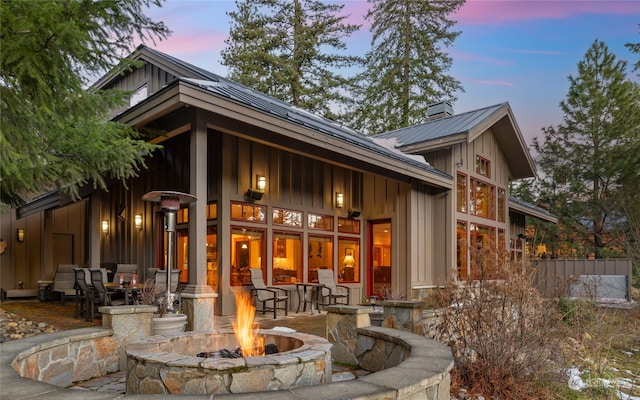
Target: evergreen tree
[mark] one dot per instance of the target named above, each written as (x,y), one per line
(281,48)
(406,69)
(634,48)
(590,162)
(55,133)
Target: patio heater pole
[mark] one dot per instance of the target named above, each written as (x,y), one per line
(170,204)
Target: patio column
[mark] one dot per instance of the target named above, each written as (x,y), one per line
(198,299)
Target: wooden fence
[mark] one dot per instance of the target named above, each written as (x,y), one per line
(554,277)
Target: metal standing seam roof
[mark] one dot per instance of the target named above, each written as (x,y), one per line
(247,96)
(440,128)
(535,210)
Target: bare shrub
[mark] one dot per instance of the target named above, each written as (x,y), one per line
(504,336)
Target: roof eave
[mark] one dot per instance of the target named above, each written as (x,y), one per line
(533,212)
(180,94)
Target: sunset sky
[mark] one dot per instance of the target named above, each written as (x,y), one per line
(520,51)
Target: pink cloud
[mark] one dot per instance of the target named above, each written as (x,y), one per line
(356,11)
(496,11)
(193,42)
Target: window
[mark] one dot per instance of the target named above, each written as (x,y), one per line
(322,222)
(287,257)
(287,217)
(482,199)
(461,193)
(182,215)
(212,257)
(483,166)
(502,201)
(346,225)
(248,212)
(481,238)
(348,260)
(461,240)
(247,251)
(320,255)
(212,211)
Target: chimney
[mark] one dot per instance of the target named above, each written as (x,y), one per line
(439,110)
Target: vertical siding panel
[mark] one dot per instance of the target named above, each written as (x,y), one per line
(327,187)
(379,195)
(285,177)
(273,177)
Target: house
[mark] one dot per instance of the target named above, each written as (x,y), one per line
(284,190)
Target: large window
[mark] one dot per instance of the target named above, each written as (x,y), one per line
(461,193)
(287,257)
(481,238)
(212,257)
(462,245)
(348,260)
(320,255)
(502,205)
(482,199)
(247,251)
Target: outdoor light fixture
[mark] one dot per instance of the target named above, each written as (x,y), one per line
(20,235)
(105,227)
(339,200)
(138,221)
(258,192)
(261,182)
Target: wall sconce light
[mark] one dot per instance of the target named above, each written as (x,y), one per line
(261,184)
(138,221)
(460,163)
(105,227)
(20,235)
(339,200)
(353,214)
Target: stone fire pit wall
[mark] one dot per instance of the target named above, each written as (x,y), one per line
(168,364)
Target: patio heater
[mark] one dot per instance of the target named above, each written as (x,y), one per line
(170,204)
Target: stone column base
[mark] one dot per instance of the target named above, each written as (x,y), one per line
(199,308)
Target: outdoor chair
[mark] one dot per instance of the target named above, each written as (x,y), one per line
(64,282)
(268,294)
(102,296)
(84,300)
(330,291)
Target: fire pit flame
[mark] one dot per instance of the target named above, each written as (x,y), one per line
(246,333)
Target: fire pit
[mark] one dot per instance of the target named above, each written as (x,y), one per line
(168,364)
(211,363)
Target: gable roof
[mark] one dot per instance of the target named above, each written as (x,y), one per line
(466,127)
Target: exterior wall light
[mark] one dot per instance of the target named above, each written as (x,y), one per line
(138,221)
(20,235)
(339,200)
(261,182)
(258,192)
(105,227)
